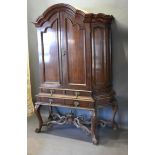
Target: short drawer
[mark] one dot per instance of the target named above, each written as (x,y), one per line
(78,93)
(42,99)
(56,101)
(51,91)
(75,103)
(51,100)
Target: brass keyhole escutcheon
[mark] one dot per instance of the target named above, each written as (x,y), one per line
(51,101)
(63,51)
(52,91)
(76,103)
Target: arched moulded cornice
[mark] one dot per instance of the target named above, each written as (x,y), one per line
(100,17)
(88,17)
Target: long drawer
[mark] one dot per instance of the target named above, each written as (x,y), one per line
(62,91)
(72,103)
(86,102)
(70,97)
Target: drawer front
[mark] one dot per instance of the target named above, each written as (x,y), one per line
(52,91)
(51,100)
(72,103)
(57,101)
(42,99)
(83,104)
(66,92)
(67,102)
(78,93)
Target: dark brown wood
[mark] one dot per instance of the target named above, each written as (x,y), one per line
(88,18)
(75,62)
(93,127)
(73,36)
(37,112)
(114,109)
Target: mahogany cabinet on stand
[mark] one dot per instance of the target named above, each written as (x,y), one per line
(75,66)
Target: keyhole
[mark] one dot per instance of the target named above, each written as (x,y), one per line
(63,52)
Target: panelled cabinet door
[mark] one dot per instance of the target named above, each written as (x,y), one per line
(73,48)
(49,53)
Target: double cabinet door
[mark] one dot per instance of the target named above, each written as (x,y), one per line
(63,52)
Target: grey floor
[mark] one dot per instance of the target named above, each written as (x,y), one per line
(68,140)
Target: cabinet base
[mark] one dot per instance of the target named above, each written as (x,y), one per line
(89,127)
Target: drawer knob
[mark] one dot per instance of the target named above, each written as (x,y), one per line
(77,94)
(76,103)
(52,91)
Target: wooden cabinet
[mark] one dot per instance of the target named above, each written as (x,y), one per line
(75,63)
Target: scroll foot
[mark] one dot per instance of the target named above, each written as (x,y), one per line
(38,130)
(94,140)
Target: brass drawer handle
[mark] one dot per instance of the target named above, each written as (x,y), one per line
(76,103)
(77,94)
(52,91)
(51,101)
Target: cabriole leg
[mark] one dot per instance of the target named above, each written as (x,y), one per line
(114,111)
(93,127)
(37,112)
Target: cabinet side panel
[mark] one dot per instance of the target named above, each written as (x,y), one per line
(98,56)
(101,57)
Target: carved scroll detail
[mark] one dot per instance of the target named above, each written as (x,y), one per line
(68,119)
